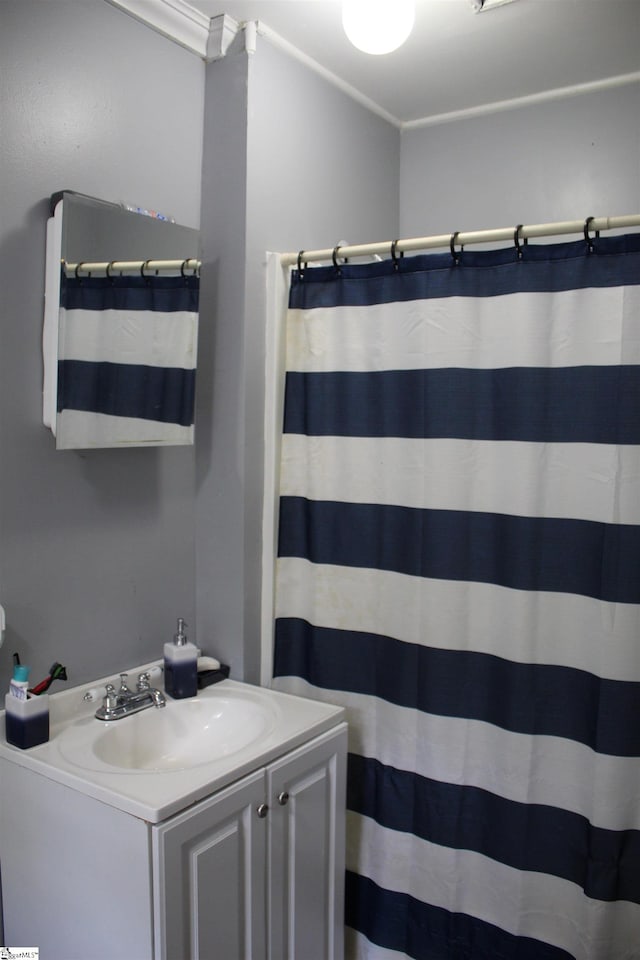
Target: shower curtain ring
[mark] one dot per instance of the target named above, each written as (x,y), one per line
(109,269)
(300,267)
(334,257)
(143,267)
(589,239)
(394,256)
(452,241)
(79,267)
(516,240)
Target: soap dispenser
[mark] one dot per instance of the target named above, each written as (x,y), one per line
(181,665)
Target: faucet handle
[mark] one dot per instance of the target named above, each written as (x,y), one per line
(111,698)
(143,683)
(123,684)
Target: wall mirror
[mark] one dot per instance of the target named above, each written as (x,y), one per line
(120,327)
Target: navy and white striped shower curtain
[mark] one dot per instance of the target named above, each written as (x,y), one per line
(127,350)
(459,566)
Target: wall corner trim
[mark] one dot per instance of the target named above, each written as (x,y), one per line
(175,19)
(222,32)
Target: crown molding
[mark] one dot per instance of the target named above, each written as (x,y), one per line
(211,39)
(285,45)
(545,96)
(175,19)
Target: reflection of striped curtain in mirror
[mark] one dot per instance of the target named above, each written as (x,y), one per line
(459,566)
(127,357)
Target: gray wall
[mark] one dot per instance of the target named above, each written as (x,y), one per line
(318,168)
(96,548)
(562,160)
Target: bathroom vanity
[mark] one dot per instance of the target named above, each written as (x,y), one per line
(211,829)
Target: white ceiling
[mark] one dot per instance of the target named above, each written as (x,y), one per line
(458,60)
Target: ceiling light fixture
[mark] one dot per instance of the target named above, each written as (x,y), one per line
(378,26)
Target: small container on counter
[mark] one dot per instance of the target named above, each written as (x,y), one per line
(26,715)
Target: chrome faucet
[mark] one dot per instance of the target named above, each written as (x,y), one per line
(123,702)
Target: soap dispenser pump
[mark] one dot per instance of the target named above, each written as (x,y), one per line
(180,665)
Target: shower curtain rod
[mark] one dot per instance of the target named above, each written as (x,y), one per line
(144,267)
(516,234)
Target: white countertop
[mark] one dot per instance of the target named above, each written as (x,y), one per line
(154,795)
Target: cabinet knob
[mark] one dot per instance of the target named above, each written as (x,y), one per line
(262,810)
(283,798)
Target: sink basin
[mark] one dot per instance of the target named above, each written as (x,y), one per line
(180,736)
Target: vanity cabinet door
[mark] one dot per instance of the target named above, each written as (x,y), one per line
(209,877)
(306,791)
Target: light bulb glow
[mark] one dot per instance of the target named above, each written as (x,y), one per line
(378,26)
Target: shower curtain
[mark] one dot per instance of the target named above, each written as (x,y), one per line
(459,566)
